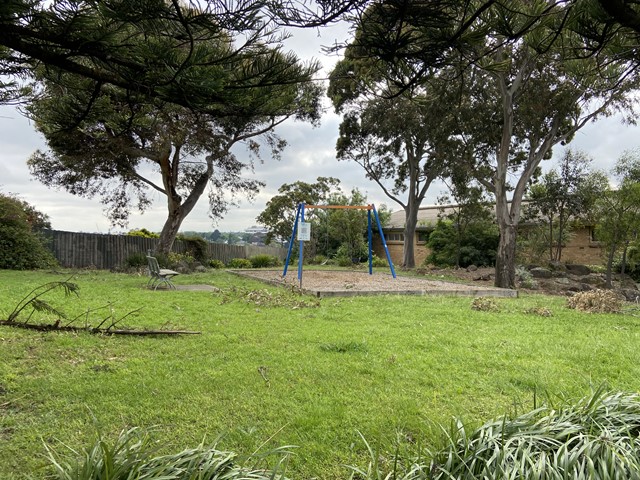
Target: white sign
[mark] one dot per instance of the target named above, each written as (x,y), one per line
(304,231)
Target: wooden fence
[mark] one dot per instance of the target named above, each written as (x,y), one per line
(106,252)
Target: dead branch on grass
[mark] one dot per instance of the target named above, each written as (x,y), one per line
(37,304)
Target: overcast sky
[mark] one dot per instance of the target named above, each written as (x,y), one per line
(311,153)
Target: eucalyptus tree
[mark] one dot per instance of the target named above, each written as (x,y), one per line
(402,138)
(530,95)
(109,141)
(618,211)
(564,197)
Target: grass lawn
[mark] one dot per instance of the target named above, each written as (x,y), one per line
(270,370)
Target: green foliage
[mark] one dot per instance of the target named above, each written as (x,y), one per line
(264,261)
(217,264)
(560,201)
(393,389)
(174,260)
(22,245)
(348,255)
(376,261)
(142,232)
(136,260)
(134,454)
(318,260)
(197,247)
(476,246)
(239,263)
(594,438)
(279,213)
(617,211)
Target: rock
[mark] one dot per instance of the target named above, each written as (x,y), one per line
(630,295)
(577,269)
(557,266)
(594,279)
(486,277)
(562,281)
(541,272)
(472,268)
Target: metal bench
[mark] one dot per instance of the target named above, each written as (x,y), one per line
(159,276)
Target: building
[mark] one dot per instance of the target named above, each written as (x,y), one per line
(581,248)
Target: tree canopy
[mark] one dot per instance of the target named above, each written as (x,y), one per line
(103,138)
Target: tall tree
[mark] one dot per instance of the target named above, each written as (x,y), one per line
(545,94)
(618,211)
(279,213)
(564,197)
(532,74)
(103,139)
(402,138)
(109,42)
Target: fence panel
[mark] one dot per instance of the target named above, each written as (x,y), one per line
(106,252)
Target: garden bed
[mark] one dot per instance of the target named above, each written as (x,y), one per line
(329,283)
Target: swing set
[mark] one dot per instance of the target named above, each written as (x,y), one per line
(304,234)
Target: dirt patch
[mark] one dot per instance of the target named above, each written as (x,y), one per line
(348,283)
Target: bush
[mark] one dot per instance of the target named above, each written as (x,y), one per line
(376,261)
(136,260)
(196,247)
(595,438)
(476,246)
(264,261)
(239,263)
(142,232)
(22,245)
(134,455)
(318,260)
(217,264)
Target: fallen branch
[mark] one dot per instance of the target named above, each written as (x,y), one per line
(56,327)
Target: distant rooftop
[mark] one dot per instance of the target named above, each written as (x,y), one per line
(256,229)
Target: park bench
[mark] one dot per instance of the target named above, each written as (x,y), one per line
(158,276)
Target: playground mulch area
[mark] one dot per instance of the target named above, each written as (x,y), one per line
(327,283)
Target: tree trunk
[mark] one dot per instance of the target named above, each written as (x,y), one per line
(610,257)
(411,220)
(506,257)
(169,232)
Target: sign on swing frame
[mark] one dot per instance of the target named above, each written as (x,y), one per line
(304,231)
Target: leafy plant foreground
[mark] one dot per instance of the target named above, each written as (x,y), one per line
(266,372)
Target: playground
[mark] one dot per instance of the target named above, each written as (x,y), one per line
(343,283)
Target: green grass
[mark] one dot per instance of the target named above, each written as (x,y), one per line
(279,371)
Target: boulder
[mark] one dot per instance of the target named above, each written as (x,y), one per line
(541,272)
(577,269)
(472,268)
(630,295)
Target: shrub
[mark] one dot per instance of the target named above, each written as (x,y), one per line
(264,261)
(196,247)
(376,261)
(239,263)
(22,245)
(142,232)
(477,245)
(596,301)
(134,455)
(217,264)
(136,260)
(318,260)
(595,438)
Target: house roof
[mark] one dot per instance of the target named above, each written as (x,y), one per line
(427,216)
